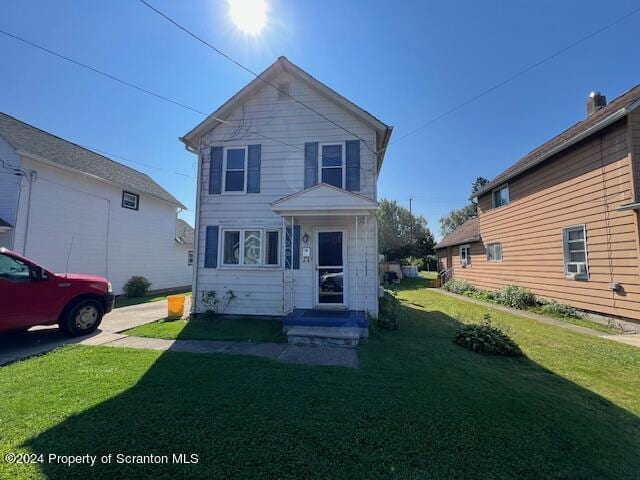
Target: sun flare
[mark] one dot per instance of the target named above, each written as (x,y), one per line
(248,15)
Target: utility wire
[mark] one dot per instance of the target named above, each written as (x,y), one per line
(247,69)
(516,75)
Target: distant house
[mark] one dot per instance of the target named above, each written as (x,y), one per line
(72,209)
(286,202)
(563,220)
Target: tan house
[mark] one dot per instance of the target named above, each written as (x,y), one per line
(563,220)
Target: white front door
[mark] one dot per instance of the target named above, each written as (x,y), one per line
(330,279)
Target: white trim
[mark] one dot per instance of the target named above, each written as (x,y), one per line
(345,273)
(566,256)
(343,162)
(224,170)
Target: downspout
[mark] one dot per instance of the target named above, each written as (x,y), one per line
(196,234)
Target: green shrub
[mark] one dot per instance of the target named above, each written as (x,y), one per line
(389,312)
(551,307)
(136,286)
(485,295)
(485,338)
(515,297)
(461,287)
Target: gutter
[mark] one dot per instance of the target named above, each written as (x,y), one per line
(628,206)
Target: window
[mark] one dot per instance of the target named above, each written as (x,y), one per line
(235,165)
(575,252)
(190,257)
(272,248)
(231,247)
(13,269)
(501,196)
(130,200)
(494,252)
(331,164)
(465,255)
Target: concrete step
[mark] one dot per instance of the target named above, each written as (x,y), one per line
(344,337)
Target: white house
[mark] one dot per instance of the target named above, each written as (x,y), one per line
(71,209)
(286,204)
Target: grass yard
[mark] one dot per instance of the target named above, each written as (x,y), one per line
(241,329)
(419,406)
(124,301)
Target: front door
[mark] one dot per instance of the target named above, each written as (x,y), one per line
(330,290)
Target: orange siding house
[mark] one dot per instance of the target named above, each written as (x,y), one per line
(563,220)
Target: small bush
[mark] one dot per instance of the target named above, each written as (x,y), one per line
(217,305)
(485,295)
(389,312)
(485,338)
(515,297)
(136,286)
(461,287)
(551,307)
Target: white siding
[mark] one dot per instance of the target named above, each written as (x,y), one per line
(261,291)
(69,208)
(9,186)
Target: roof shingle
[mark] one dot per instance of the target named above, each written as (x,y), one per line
(32,140)
(468,232)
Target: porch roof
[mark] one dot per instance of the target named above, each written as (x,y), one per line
(324,200)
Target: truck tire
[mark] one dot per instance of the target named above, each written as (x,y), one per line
(82,318)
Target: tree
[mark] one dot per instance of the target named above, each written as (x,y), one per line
(451,221)
(402,234)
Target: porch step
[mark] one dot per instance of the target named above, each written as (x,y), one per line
(344,337)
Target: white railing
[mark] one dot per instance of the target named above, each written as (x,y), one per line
(445,275)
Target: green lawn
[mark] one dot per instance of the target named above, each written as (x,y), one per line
(250,329)
(419,406)
(124,301)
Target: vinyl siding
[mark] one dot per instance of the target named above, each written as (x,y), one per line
(9,189)
(263,291)
(583,185)
(70,210)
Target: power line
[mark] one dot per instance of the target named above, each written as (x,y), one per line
(516,75)
(247,69)
(137,87)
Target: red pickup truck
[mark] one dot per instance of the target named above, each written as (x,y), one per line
(31,295)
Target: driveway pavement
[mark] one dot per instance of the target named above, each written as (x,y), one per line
(40,340)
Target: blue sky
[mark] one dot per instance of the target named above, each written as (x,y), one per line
(406,62)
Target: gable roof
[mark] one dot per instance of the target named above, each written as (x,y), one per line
(468,232)
(322,198)
(282,64)
(32,141)
(184,232)
(615,110)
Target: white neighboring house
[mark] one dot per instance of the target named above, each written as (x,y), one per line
(271,165)
(61,203)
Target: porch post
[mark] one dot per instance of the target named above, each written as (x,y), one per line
(291,288)
(357,264)
(283,259)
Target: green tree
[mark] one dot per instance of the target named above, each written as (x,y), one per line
(402,234)
(452,220)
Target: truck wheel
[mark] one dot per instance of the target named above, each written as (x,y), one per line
(82,318)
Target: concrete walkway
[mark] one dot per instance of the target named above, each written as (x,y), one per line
(282,352)
(627,339)
(40,340)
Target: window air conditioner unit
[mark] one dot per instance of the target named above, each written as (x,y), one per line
(577,269)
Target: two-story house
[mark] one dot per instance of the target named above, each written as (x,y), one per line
(286,203)
(563,220)
(72,209)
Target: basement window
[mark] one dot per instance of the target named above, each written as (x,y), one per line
(130,200)
(576,263)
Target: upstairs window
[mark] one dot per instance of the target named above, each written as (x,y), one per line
(130,200)
(235,166)
(501,196)
(332,161)
(465,255)
(494,252)
(576,263)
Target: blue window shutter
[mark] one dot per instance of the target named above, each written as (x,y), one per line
(253,176)
(295,249)
(353,165)
(310,164)
(211,248)
(215,171)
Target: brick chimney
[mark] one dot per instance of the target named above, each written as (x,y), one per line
(595,102)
